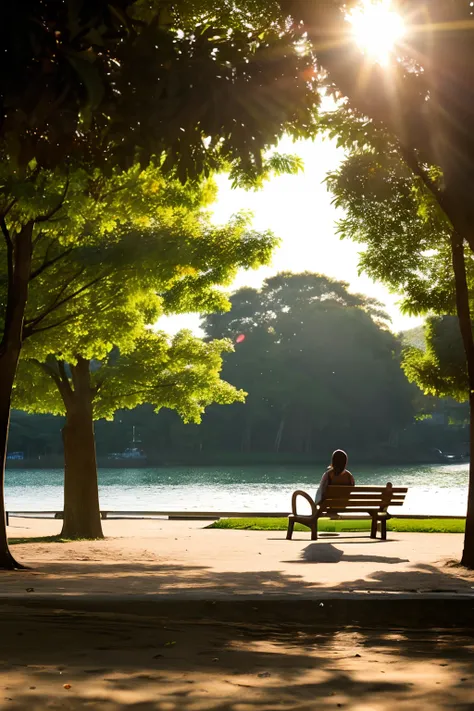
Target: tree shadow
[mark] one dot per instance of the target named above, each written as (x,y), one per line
(420,577)
(93,569)
(117,662)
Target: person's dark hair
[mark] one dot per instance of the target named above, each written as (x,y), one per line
(339,461)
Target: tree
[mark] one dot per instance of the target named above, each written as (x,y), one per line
(411,246)
(317,364)
(134,245)
(90,87)
(180,373)
(113,82)
(424,100)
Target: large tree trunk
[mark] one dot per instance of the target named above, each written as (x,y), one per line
(81,493)
(7,377)
(465,324)
(19,267)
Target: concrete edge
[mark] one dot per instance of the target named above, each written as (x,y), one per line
(386,610)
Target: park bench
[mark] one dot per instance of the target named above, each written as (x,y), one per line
(348,503)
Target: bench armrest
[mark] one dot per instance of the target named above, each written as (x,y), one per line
(314,508)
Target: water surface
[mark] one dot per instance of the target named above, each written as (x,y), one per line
(434,489)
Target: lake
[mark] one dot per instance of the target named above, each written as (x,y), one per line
(434,488)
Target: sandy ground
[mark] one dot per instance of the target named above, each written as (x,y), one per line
(66,659)
(164,557)
(83,661)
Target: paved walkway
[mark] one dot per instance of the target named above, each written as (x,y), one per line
(167,557)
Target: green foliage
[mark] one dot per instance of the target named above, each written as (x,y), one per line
(134,245)
(317,364)
(405,238)
(407,246)
(432,525)
(42,539)
(111,261)
(440,369)
(272,165)
(193,85)
(421,99)
(180,373)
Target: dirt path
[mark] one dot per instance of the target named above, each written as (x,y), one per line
(168,557)
(57,660)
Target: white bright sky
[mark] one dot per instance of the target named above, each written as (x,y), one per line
(298,209)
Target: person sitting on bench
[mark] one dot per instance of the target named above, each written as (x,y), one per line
(335,475)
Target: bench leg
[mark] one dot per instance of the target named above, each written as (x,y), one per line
(373,528)
(314,531)
(383,529)
(291,525)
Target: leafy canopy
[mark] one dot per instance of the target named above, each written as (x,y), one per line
(106,265)
(180,373)
(132,241)
(191,86)
(316,362)
(407,245)
(439,368)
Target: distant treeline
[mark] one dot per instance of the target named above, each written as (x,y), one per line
(321,370)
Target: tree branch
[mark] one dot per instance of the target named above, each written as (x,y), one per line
(154,387)
(411,160)
(56,304)
(30,330)
(49,370)
(49,263)
(47,216)
(39,236)
(79,291)
(9,207)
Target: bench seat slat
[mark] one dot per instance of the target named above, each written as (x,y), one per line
(349,509)
(340,503)
(364,497)
(358,507)
(352,500)
(375,489)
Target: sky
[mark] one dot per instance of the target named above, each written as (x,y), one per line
(298,209)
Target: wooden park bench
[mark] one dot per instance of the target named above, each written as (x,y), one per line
(349,503)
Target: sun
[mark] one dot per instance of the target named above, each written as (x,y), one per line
(377,28)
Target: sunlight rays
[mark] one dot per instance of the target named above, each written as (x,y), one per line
(377,29)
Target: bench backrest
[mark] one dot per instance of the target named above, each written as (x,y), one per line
(355,499)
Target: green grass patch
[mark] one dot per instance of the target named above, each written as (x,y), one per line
(431,525)
(45,539)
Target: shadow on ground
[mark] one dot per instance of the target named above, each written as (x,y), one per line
(94,570)
(328,553)
(122,662)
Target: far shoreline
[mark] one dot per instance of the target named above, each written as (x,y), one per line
(56,462)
